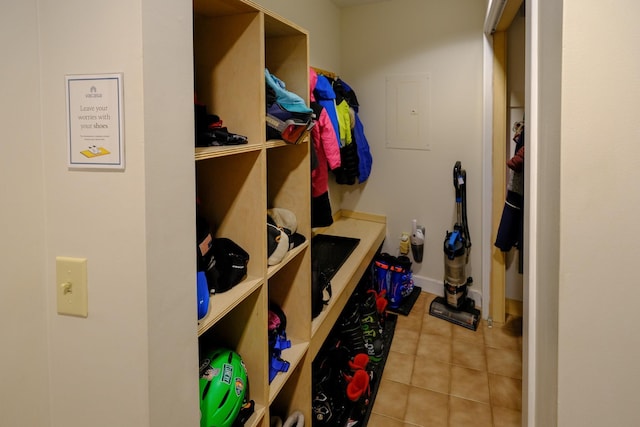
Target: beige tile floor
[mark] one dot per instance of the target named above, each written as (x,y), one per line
(442,375)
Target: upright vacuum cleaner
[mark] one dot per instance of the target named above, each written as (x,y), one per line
(456,306)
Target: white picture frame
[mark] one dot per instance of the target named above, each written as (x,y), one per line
(95,121)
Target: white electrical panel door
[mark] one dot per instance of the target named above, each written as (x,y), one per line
(407,112)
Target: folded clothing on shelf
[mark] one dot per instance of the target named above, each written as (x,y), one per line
(288,117)
(209,130)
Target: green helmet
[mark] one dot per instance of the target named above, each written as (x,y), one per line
(223,385)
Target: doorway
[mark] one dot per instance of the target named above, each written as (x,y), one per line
(506,36)
(505,30)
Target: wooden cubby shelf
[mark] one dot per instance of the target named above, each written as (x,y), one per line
(204,153)
(234,41)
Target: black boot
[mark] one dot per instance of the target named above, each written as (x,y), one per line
(350,330)
(371,328)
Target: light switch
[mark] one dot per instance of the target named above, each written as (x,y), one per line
(71,286)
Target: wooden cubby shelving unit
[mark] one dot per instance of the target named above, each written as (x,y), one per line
(234,40)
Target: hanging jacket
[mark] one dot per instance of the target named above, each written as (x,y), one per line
(343,112)
(347,173)
(365,160)
(325,96)
(342,89)
(344,122)
(324,141)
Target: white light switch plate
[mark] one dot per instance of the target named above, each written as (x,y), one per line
(71,286)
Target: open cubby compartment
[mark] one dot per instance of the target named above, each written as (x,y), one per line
(287,54)
(289,183)
(229,68)
(232,198)
(290,289)
(222,303)
(244,330)
(295,394)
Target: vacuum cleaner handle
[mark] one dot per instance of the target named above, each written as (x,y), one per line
(459,182)
(457,170)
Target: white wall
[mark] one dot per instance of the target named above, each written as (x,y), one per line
(585,303)
(95,215)
(443,39)
(24,372)
(600,168)
(132,362)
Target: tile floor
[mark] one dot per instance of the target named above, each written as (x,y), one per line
(442,375)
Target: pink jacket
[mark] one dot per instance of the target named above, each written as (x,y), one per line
(325,143)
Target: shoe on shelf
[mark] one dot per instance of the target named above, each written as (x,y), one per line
(371,328)
(359,397)
(350,330)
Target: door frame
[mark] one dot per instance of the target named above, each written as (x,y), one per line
(500,14)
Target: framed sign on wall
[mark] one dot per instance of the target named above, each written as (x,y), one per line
(95,128)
